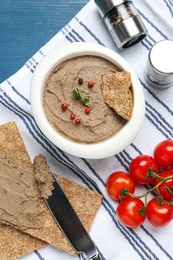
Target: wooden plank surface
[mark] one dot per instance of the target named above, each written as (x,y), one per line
(26,25)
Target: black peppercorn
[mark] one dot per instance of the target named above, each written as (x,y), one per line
(80,81)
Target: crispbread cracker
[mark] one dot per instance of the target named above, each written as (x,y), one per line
(14,243)
(117,94)
(11,143)
(85,202)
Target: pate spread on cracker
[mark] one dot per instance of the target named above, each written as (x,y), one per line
(18,241)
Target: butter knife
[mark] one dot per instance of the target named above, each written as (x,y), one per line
(69,223)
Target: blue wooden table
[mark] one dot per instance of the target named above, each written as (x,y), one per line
(26,25)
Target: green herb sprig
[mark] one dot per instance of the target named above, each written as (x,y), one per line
(77,93)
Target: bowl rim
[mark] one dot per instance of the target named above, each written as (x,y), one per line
(105,148)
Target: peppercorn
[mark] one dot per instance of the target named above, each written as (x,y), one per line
(91,83)
(80,81)
(77,121)
(87,110)
(72,116)
(64,106)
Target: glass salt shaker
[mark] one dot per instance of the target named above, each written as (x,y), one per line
(159,69)
(123,22)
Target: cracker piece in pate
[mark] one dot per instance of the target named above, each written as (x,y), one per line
(117,94)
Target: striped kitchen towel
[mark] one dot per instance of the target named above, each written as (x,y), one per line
(113,240)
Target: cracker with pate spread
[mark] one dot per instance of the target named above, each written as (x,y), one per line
(18,241)
(13,242)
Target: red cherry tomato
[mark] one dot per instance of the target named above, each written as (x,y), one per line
(130,212)
(166,188)
(159,214)
(117,183)
(163,154)
(139,168)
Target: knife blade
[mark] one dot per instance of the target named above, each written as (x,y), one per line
(70,224)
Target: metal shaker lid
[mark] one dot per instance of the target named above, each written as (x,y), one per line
(105,6)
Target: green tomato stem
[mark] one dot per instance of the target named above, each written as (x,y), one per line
(144,195)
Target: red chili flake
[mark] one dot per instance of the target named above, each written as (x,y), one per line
(91,83)
(77,121)
(72,116)
(64,106)
(87,110)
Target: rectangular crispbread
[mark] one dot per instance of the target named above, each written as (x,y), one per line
(13,242)
(86,203)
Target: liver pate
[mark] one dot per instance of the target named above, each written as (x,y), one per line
(102,122)
(43,176)
(19,203)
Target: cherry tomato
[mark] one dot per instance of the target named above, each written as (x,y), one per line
(130,212)
(139,168)
(119,182)
(163,154)
(166,188)
(159,214)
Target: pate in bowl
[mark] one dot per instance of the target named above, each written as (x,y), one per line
(87,101)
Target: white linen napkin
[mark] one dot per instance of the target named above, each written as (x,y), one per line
(114,241)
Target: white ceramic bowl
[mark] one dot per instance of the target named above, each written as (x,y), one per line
(102,149)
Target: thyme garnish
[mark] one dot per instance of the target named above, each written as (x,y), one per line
(77,93)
